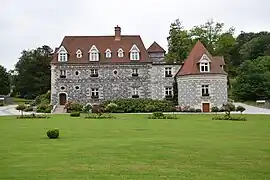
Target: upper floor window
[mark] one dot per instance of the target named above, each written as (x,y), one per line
(108,53)
(205,90)
(94,72)
(134,53)
(135,72)
(79,53)
(93,54)
(94,93)
(204,67)
(62,73)
(62,54)
(120,52)
(168,72)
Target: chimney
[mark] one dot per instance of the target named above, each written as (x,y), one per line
(117,30)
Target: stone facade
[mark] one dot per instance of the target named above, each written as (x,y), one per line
(190,90)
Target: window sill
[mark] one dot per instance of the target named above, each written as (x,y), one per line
(168,75)
(94,75)
(135,75)
(135,96)
(94,97)
(63,76)
(205,95)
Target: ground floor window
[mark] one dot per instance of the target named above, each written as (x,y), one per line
(94,93)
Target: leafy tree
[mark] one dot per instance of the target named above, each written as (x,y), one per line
(179,43)
(240,109)
(253,81)
(4,81)
(21,108)
(33,70)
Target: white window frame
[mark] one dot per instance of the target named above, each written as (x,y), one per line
(168,70)
(204,67)
(205,89)
(108,53)
(120,53)
(135,91)
(93,54)
(94,92)
(168,91)
(79,53)
(134,53)
(62,54)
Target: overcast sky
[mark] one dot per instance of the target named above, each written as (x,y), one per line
(28,24)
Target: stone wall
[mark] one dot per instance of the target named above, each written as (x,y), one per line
(159,81)
(111,85)
(189,90)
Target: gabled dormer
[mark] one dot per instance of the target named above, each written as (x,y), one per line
(134,53)
(120,52)
(62,54)
(79,53)
(205,63)
(93,54)
(108,53)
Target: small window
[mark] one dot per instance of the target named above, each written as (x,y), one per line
(134,55)
(94,72)
(135,72)
(205,90)
(168,91)
(108,53)
(62,57)
(168,72)
(77,87)
(120,53)
(62,73)
(204,67)
(94,93)
(77,73)
(115,72)
(62,88)
(79,53)
(135,93)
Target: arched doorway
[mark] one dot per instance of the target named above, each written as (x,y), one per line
(62,99)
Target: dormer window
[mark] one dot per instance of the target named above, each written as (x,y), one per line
(62,54)
(108,53)
(134,53)
(120,53)
(79,53)
(204,64)
(93,54)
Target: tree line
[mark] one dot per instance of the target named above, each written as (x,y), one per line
(247,58)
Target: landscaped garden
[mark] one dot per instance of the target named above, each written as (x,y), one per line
(125,147)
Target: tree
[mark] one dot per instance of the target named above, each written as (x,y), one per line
(21,108)
(179,43)
(33,70)
(240,109)
(4,81)
(253,81)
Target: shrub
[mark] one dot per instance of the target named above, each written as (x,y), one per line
(44,108)
(214,109)
(95,116)
(230,118)
(53,133)
(228,108)
(198,110)
(240,109)
(75,114)
(73,106)
(42,99)
(33,116)
(158,114)
(111,107)
(28,109)
(140,105)
(21,108)
(192,110)
(87,108)
(1,104)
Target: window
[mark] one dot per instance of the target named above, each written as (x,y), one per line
(94,72)
(62,57)
(77,73)
(135,72)
(205,90)
(77,87)
(134,55)
(62,88)
(168,72)
(168,91)
(108,53)
(115,72)
(62,73)
(79,53)
(204,67)
(135,93)
(94,54)
(94,93)
(120,53)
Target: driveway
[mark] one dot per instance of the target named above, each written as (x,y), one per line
(253,109)
(10,110)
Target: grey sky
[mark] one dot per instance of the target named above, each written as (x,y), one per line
(31,23)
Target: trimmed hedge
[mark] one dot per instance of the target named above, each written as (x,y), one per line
(229,118)
(33,116)
(53,133)
(140,105)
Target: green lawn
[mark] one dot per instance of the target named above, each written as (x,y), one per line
(133,147)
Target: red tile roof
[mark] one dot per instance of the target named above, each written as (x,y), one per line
(84,43)
(191,64)
(155,47)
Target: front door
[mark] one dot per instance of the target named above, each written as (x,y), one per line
(206,107)
(62,99)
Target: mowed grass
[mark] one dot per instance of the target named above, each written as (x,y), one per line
(134,147)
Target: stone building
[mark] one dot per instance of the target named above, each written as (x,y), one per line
(202,81)
(92,69)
